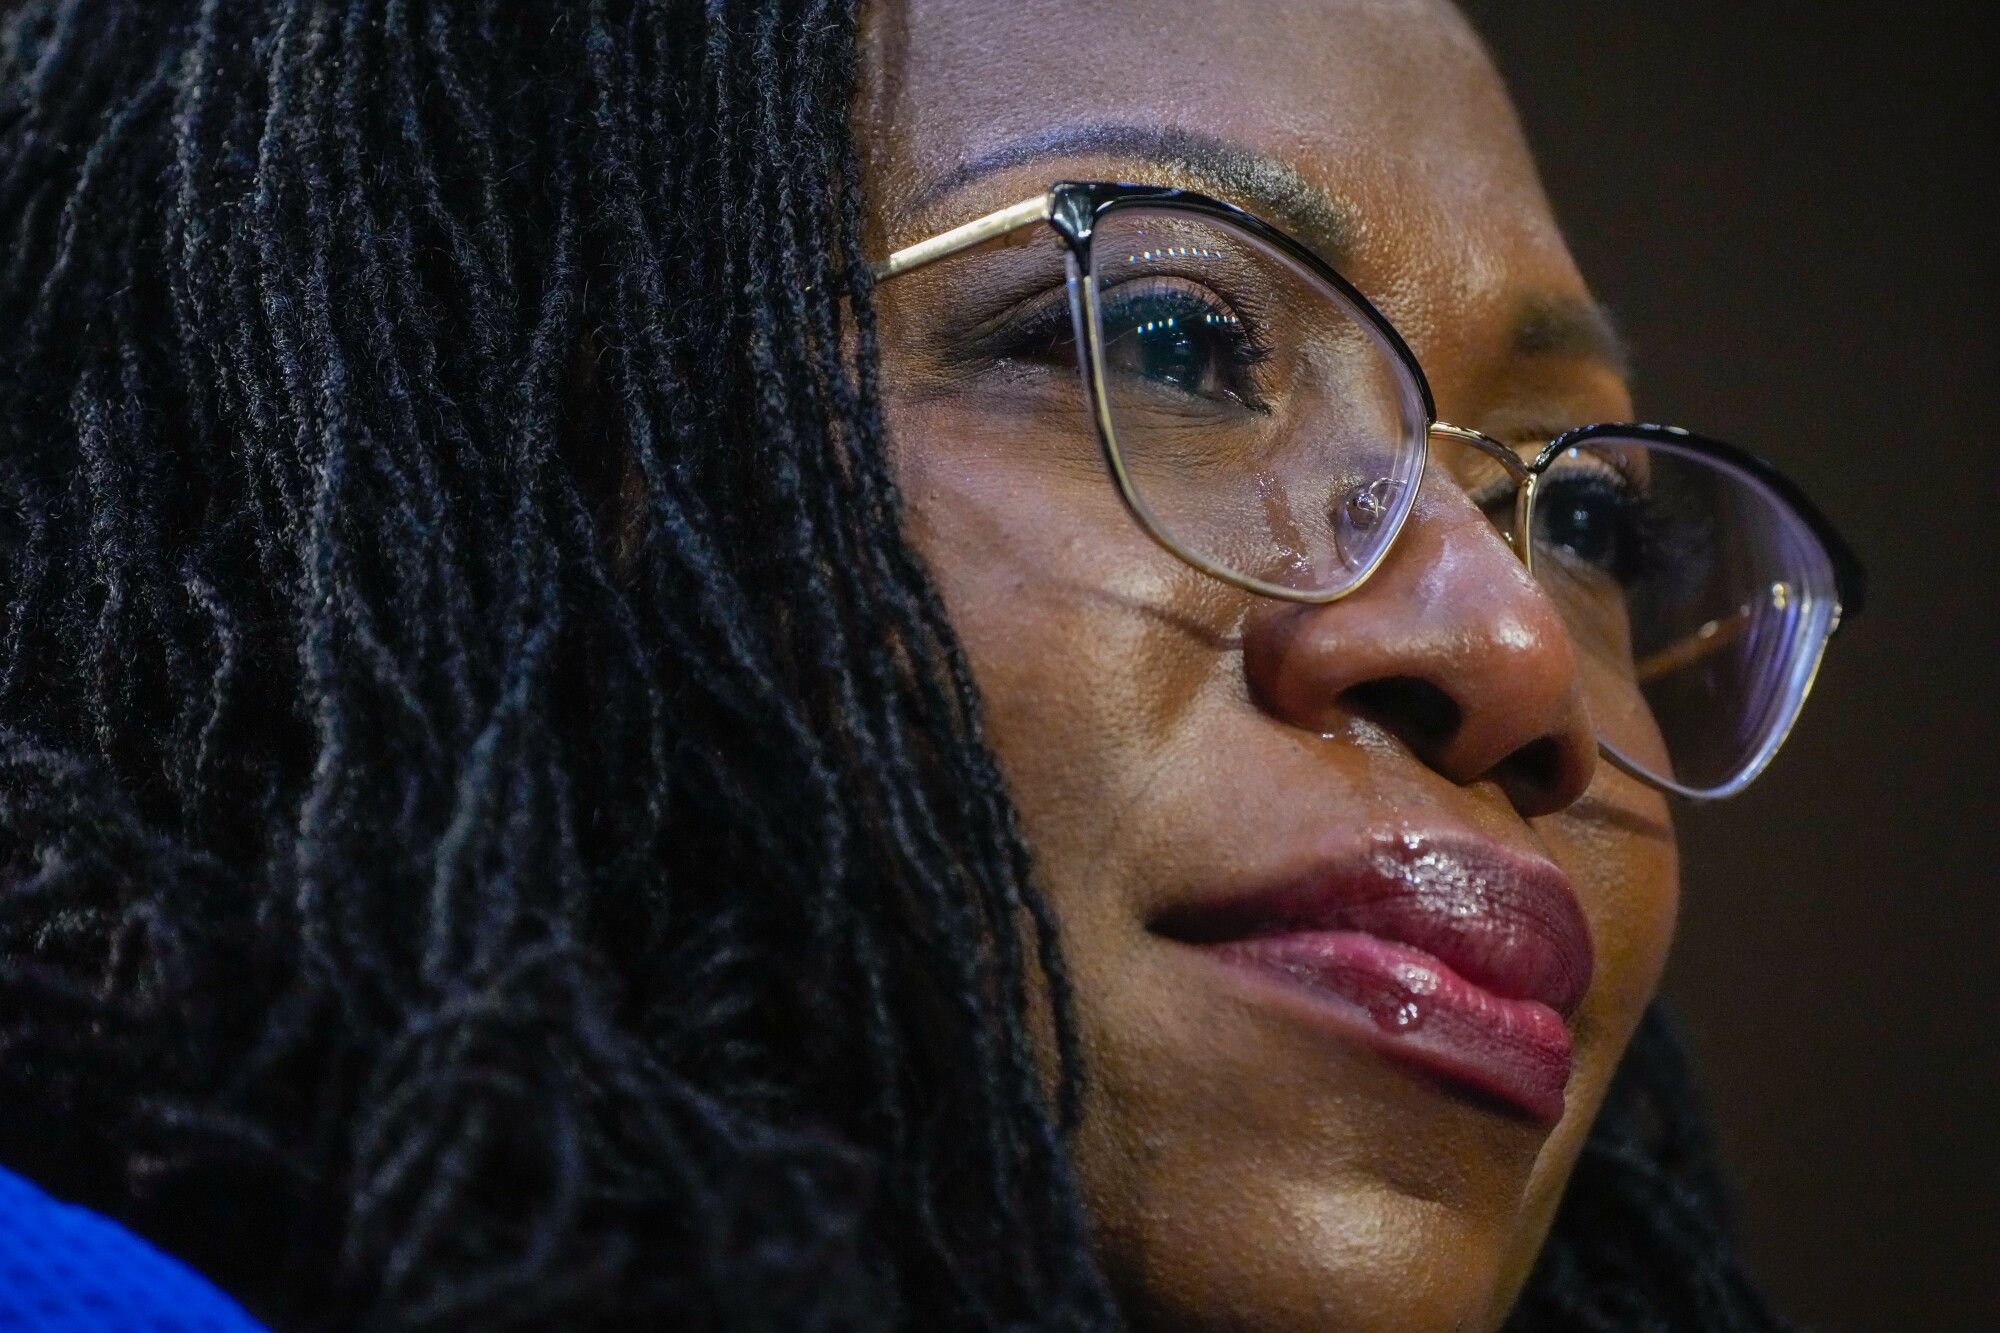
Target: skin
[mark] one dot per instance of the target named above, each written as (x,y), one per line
(1164,734)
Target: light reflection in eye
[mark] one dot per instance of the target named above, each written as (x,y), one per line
(1172,320)
(1173,252)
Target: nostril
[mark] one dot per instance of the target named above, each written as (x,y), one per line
(1545,775)
(1424,715)
(1538,764)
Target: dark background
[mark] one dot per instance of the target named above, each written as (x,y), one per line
(1791,209)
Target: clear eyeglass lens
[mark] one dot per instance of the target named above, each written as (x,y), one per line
(1265,426)
(1698,600)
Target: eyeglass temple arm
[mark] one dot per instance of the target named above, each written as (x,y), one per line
(996,226)
(1712,637)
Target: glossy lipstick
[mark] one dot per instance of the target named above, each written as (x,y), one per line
(1453,954)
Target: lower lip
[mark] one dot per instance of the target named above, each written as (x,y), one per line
(1409,1005)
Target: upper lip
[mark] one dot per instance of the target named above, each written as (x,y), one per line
(1505,922)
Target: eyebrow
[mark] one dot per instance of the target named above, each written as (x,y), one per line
(1557,326)
(1262,184)
(1571,326)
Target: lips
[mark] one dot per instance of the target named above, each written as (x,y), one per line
(1454,955)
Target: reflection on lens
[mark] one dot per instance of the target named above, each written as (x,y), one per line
(1265,427)
(1701,599)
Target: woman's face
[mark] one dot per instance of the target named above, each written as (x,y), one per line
(1270,1141)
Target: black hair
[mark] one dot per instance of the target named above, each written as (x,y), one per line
(495,830)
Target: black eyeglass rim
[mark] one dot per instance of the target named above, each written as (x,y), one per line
(1078,206)
(1850,577)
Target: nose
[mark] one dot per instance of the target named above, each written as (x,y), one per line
(1450,647)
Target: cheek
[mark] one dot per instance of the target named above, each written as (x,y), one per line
(1089,644)
(1618,847)
(1224,1155)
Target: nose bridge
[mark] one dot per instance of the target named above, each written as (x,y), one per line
(1451,647)
(1526,477)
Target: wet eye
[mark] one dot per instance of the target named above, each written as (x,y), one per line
(1592,521)
(1181,338)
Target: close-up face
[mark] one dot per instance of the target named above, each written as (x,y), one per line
(1358,921)
(988,664)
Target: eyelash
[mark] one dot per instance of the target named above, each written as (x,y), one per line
(1644,535)
(1041,332)
(1045,331)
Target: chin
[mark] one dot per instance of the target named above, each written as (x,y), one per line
(1357,1261)
(1249,1172)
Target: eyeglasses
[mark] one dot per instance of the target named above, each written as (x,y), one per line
(1262,421)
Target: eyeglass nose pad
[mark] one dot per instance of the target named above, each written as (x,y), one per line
(1359,519)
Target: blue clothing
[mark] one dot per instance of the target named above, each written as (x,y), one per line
(65,1269)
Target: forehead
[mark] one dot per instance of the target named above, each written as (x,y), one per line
(1386,114)
(1362,97)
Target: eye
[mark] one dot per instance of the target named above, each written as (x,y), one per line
(1174,335)
(1593,520)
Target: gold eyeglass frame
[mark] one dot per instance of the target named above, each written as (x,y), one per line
(1073,208)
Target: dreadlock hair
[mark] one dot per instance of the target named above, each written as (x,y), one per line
(495,830)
